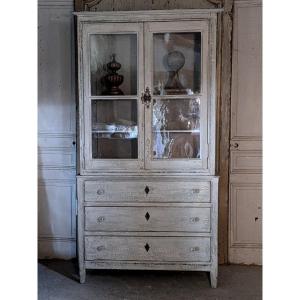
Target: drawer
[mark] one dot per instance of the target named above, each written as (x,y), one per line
(192,219)
(151,191)
(147,248)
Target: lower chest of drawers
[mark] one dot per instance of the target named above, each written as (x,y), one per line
(140,220)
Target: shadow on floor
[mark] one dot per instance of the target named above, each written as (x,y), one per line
(59,280)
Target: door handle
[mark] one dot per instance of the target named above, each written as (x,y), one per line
(146,97)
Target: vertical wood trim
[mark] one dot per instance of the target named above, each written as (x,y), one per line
(224,126)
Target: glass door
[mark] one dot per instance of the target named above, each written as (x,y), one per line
(176,55)
(113,80)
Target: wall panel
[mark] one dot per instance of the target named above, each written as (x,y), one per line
(56,125)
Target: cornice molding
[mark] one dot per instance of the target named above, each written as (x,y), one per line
(87,5)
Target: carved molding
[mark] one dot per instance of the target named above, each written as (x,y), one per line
(87,5)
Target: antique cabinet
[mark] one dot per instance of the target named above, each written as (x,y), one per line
(146,185)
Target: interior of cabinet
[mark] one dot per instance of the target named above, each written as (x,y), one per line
(124,48)
(114,129)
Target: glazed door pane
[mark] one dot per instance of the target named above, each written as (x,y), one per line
(176,128)
(176,63)
(114,129)
(114,115)
(113,64)
(176,56)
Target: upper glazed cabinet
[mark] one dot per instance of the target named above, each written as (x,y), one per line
(147,96)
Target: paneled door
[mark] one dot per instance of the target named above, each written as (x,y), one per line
(177,88)
(245,240)
(112,128)
(56,131)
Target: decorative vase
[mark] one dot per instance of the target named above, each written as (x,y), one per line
(175,60)
(113,80)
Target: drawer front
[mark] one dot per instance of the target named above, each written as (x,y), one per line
(147,248)
(163,191)
(192,219)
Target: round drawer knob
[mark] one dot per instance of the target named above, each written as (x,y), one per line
(101,219)
(100,248)
(195,219)
(193,249)
(100,192)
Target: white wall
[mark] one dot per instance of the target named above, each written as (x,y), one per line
(56,130)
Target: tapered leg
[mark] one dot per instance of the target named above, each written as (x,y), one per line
(213,279)
(82,274)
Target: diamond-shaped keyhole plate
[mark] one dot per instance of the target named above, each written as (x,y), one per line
(147,247)
(147,190)
(147,216)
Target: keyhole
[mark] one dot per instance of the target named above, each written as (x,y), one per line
(147,190)
(147,247)
(147,216)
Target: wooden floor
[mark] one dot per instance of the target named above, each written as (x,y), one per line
(59,280)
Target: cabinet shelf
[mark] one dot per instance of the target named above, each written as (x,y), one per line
(112,131)
(111,137)
(177,131)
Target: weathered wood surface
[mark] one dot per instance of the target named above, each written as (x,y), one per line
(159,248)
(166,249)
(224,66)
(179,219)
(114,190)
(145,265)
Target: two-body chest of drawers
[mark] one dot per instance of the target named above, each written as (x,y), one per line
(147,191)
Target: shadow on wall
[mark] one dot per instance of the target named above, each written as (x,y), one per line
(45,232)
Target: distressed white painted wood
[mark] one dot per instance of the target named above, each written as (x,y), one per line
(147,219)
(174,249)
(140,214)
(90,164)
(115,190)
(205,116)
(245,207)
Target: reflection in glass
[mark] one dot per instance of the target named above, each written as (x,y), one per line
(105,48)
(177,63)
(176,128)
(114,129)
(176,114)
(176,145)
